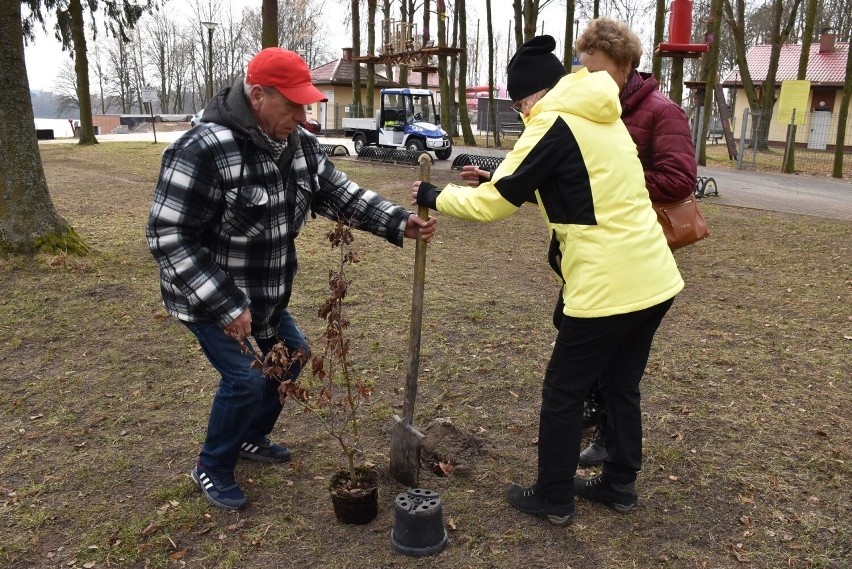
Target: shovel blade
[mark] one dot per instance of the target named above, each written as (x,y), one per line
(405,453)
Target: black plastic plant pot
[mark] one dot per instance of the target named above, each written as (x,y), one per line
(418,526)
(355,507)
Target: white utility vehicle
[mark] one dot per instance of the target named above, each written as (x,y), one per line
(402,121)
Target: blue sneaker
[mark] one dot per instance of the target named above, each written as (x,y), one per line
(219,488)
(265,451)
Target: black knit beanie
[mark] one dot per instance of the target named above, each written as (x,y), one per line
(533,68)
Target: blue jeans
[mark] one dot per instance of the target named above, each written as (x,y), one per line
(246,405)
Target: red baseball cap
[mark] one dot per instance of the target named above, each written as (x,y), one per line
(287,72)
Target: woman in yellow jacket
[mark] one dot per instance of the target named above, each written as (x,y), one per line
(576,160)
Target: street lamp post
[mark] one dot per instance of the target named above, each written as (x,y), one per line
(210,27)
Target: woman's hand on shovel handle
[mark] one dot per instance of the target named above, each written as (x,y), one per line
(416,226)
(473,176)
(415,188)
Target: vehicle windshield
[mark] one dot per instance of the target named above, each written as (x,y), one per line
(409,108)
(422,105)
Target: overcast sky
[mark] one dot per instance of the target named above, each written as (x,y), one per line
(45,57)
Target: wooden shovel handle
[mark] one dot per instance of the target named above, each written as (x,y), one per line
(413,370)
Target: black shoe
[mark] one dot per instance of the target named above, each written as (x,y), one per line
(592,408)
(265,451)
(622,497)
(529,501)
(219,488)
(595,453)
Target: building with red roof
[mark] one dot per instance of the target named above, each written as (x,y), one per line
(335,80)
(826,72)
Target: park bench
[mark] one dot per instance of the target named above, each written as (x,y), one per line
(715,135)
(514,128)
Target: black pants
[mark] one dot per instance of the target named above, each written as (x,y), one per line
(612,351)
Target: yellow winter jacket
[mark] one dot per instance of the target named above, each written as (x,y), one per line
(576,159)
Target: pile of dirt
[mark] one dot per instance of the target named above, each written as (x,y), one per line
(447,450)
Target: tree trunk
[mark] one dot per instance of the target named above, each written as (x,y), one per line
(467,132)
(840,142)
(269,28)
(519,22)
(388,32)
(81,66)
(356,53)
(807,38)
(443,81)
(28,219)
(371,51)
(452,81)
(407,16)
(779,37)
(659,29)
(737,25)
(492,109)
(424,75)
(709,70)
(568,54)
(531,8)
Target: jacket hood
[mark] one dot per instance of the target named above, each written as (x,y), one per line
(640,86)
(593,96)
(230,109)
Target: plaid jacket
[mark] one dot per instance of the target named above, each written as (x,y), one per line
(225,216)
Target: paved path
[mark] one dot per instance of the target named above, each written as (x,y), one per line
(806,195)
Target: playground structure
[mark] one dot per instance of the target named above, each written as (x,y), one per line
(401,45)
(680,33)
(680,47)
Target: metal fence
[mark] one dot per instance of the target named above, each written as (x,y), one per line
(767,144)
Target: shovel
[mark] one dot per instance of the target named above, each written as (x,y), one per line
(405,439)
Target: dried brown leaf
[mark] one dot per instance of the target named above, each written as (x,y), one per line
(149,529)
(175,555)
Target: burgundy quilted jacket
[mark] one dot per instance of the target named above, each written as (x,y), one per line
(663,137)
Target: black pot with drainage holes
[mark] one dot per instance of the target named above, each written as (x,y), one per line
(418,525)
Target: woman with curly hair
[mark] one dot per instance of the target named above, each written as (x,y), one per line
(663,139)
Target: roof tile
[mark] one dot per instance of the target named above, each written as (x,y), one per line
(339,72)
(824,69)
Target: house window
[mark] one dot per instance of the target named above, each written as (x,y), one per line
(823,100)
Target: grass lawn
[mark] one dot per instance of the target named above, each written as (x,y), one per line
(104,398)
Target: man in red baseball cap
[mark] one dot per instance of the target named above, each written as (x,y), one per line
(278,86)
(287,72)
(232,196)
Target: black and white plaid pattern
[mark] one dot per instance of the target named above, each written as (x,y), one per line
(225,241)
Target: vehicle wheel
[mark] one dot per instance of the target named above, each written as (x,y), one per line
(444,154)
(360,140)
(415,145)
